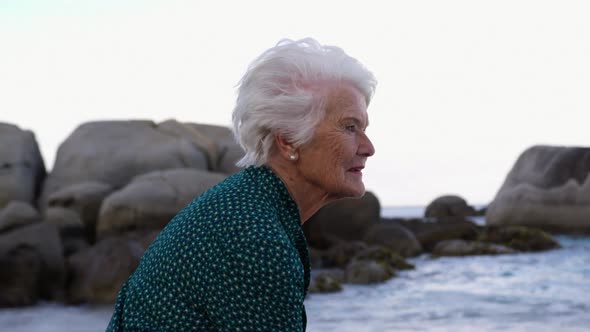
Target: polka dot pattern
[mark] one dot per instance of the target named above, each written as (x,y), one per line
(235,259)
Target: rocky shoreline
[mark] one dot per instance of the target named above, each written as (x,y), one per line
(381,251)
(74,235)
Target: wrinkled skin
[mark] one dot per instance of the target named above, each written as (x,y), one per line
(333,160)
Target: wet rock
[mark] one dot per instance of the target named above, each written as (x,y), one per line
(383,255)
(449,206)
(316,258)
(519,238)
(469,248)
(334,273)
(429,233)
(482,212)
(395,237)
(368,272)
(343,220)
(327,282)
(341,254)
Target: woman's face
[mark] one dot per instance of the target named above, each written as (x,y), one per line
(336,155)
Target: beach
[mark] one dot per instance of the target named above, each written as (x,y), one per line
(545,291)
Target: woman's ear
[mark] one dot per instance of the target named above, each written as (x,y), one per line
(285,148)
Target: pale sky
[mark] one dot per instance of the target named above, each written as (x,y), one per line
(464,86)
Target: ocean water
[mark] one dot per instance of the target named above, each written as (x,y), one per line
(548,291)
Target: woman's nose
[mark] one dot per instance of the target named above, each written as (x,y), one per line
(366,148)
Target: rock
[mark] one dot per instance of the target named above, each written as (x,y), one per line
(324,283)
(469,248)
(334,273)
(368,272)
(31,265)
(217,142)
(385,256)
(481,212)
(17,214)
(341,253)
(20,268)
(316,258)
(395,237)
(230,153)
(114,152)
(151,200)
(21,167)
(547,188)
(91,282)
(519,238)
(449,206)
(84,198)
(63,218)
(347,220)
(429,233)
(71,229)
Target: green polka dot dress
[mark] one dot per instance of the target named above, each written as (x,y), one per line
(235,259)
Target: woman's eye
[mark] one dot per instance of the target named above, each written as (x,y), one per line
(351,128)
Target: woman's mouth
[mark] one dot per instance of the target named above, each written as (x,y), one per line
(357,170)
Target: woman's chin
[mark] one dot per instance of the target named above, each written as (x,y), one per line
(359,193)
(351,192)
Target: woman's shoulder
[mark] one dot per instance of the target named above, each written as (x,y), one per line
(245,191)
(240,198)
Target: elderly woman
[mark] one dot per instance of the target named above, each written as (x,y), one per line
(235,259)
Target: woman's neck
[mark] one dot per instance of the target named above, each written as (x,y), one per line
(308,197)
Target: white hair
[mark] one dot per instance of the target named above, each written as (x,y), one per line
(279,94)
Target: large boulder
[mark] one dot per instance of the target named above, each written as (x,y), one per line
(70,226)
(395,237)
(548,188)
(97,273)
(114,152)
(84,198)
(449,206)
(17,214)
(218,142)
(31,265)
(151,200)
(21,167)
(346,219)
(63,218)
(20,268)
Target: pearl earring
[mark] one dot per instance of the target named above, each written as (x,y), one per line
(293,157)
